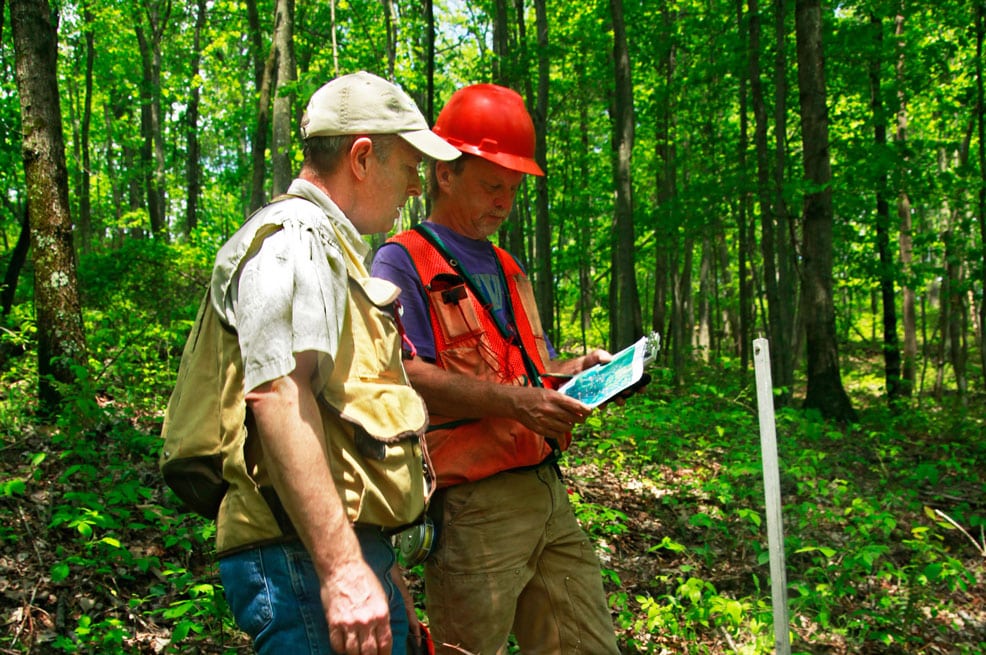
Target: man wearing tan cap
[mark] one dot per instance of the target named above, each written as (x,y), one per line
(330,462)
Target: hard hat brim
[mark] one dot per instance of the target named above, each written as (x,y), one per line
(505,159)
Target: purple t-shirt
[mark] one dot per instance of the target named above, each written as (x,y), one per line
(392,262)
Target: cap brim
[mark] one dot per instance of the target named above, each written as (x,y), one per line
(431,145)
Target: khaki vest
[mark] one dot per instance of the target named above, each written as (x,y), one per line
(373,420)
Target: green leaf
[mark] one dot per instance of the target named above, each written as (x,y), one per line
(60,572)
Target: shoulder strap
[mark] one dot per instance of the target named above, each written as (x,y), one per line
(506,331)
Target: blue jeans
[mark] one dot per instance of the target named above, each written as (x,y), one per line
(274,595)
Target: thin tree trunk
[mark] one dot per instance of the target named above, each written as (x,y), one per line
(193,167)
(16,264)
(625,325)
(787,237)
(429,104)
(981,207)
(584,237)
(283,101)
(666,182)
(149,37)
(778,332)
(905,243)
(745,247)
(390,29)
(891,344)
(545,280)
(681,290)
(61,340)
(703,335)
(85,194)
(264,69)
(825,391)
(501,47)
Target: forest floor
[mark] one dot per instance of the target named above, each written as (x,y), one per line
(94,560)
(735,573)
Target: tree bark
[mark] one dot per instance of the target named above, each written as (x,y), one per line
(981,207)
(666,181)
(85,195)
(283,101)
(744,226)
(545,280)
(824,391)
(625,319)
(787,241)
(891,344)
(149,36)
(778,331)
(904,239)
(17,260)
(263,78)
(61,341)
(193,167)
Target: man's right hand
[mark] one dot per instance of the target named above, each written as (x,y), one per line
(357,611)
(546,411)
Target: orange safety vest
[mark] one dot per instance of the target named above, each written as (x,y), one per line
(468,341)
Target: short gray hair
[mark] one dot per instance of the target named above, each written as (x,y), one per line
(324,153)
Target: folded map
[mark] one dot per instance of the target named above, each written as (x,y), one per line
(602,382)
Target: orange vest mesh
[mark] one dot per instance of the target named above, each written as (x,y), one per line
(468,342)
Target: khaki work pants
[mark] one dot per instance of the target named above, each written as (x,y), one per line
(511,557)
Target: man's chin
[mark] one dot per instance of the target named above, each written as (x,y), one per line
(492,225)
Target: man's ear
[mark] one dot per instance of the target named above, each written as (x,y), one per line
(443,175)
(359,156)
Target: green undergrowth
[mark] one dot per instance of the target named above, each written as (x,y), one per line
(883,519)
(883,523)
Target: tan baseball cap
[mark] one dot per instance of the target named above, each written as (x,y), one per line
(362,103)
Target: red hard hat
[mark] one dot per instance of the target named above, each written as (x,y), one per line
(490,121)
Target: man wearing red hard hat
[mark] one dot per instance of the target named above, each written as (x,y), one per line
(509,555)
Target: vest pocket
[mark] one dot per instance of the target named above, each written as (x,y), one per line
(456,313)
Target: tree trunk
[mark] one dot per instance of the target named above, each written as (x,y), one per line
(743,226)
(891,344)
(511,235)
(390,29)
(501,48)
(625,319)
(193,167)
(681,297)
(905,243)
(263,77)
(703,337)
(545,280)
(17,260)
(61,341)
(666,182)
(779,333)
(787,241)
(583,238)
(825,391)
(283,101)
(981,207)
(85,195)
(149,38)
(429,103)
